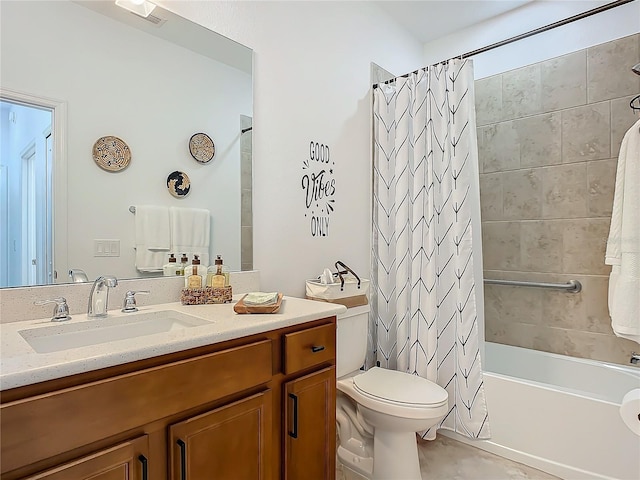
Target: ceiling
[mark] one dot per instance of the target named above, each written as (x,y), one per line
(431,19)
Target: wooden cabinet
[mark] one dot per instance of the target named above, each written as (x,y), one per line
(229,441)
(126,461)
(218,411)
(310,417)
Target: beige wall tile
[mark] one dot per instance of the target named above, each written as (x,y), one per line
(521,92)
(491,196)
(517,334)
(622,118)
(608,67)
(514,304)
(586,133)
(564,189)
(601,180)
(541,246)
(583,243)
(501,245)
(554,340)
(595,291)
(591,345)
(246,170)
(574,147)
(246,248)
(498,148)
(564,310)
(488,92)
(540,139)
(522,194)
(564,81)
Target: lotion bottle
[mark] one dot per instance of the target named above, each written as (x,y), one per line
(215,276)
(192,276)
(170,269)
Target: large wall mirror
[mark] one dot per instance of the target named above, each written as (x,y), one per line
(83,70)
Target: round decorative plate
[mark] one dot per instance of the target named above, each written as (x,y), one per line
(178,184)
(111,153)
(201,147)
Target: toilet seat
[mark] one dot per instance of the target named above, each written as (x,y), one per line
(400,388)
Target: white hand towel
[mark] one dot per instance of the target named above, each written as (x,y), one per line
(623,244)
(191,232)
(152,237)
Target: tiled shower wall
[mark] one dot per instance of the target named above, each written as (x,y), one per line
(548,139)
(246,196)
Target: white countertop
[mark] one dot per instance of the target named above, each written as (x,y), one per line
(21,365)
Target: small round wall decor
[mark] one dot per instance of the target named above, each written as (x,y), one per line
(111,153)
(178,184)
(201,147)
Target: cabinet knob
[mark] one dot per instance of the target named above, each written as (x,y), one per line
(317,348)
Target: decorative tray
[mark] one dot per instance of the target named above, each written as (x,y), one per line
(240,307)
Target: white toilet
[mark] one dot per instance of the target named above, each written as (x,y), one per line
(379,411)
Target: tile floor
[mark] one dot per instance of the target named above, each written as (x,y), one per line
(448,459)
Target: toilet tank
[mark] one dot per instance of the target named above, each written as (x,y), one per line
(351,340)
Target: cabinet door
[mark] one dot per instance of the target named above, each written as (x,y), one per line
(230,442)
(310,423)
(126,461)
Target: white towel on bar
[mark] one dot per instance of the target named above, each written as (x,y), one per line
(623,244)
(152,237)
(190,232)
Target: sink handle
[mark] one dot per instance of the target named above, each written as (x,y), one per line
(60,311)
(129,304)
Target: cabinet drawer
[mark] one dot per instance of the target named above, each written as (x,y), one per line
(309,347)
(40,427)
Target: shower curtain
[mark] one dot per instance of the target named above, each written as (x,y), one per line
(423,307)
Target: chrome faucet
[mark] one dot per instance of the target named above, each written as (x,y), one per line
(99,296)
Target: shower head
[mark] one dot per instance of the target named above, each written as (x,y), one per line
(636,69)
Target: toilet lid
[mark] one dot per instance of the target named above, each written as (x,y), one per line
(400,387)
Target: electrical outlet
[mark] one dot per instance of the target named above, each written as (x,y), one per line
(106,248)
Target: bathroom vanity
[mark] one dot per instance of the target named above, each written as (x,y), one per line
(239,397)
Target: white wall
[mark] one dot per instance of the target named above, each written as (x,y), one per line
(599,28)
(311,82)
(114,80)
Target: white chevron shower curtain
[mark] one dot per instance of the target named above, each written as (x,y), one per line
(423,307)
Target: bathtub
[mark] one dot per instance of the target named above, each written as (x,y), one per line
(558,414)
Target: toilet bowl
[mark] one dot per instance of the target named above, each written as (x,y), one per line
(379,411)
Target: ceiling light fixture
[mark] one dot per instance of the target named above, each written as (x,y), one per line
(140,7)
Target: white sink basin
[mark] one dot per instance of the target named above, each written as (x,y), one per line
(66,336)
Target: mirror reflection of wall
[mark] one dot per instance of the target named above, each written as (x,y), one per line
(152,93)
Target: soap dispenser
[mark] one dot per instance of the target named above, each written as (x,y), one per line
(170,269)
(184,262)
(215,276)
(192,275)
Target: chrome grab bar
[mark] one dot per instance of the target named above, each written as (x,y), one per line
(572,286)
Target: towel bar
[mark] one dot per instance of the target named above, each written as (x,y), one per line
(572,286)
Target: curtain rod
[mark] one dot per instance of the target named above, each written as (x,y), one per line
(530,33)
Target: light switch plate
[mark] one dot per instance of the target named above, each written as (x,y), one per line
(106,248)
